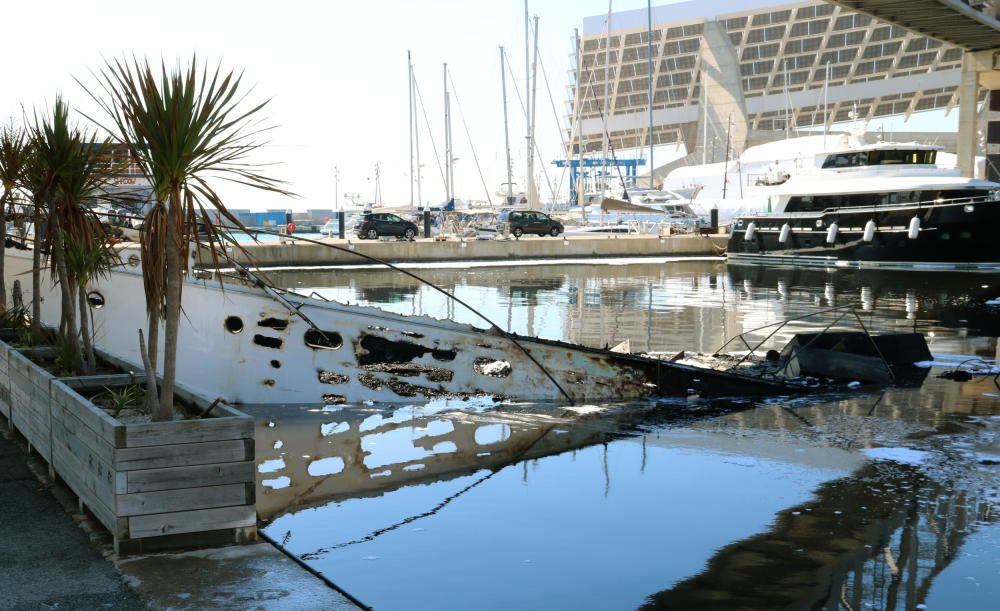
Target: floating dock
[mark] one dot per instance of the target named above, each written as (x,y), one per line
(296,253)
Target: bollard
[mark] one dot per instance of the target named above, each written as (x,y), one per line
(427,223)
(714,219)
(341,232)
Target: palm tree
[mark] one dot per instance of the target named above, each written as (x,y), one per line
(184,127)
(14,151)
(68,172)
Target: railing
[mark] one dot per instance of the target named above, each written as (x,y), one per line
(934,203)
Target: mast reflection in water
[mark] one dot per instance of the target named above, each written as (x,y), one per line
(682,505)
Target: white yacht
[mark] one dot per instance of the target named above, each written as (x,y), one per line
(890,205)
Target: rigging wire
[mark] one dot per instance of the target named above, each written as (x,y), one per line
(430,134)
(555,114)
(524,110)
(475,157)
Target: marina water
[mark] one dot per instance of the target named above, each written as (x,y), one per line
(858,500)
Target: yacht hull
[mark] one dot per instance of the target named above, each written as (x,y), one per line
(252,345)
(949,237)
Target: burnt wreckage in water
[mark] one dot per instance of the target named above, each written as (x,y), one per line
(248,342)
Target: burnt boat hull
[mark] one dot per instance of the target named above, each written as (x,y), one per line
(951,237)
(251,345)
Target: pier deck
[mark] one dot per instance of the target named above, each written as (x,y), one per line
(299,253)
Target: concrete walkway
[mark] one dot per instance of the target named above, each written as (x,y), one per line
(51,558)
(46,560)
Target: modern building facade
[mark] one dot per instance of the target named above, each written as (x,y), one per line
(747,72)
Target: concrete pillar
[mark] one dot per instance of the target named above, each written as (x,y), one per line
(724,88)
(968,90)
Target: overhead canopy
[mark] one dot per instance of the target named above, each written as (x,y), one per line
(952,21)
(617,205)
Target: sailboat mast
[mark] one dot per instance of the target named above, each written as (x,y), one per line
(826,96)
(448,177)
(607,89)
(704,119)
(579,184)
(506,131)
(416,133)
(529,180)
(409,82)
(649,54)
(532,194)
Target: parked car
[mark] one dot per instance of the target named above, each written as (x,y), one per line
(372,226)
(520,222)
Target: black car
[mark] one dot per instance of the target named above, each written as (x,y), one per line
(371,226)
(520,222)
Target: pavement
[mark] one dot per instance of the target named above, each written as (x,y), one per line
(54,558)
(47,561)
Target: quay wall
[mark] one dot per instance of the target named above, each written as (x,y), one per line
(299,253)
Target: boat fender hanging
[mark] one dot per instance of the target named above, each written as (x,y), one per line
(831,233)
(869,233)
(785,232)
(290,228)
(751,229)
(914,230)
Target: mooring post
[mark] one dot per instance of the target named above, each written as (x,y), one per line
(427,223)
(341,232)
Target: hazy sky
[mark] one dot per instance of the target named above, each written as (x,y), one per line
(336,75)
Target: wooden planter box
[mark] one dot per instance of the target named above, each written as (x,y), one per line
(152,485)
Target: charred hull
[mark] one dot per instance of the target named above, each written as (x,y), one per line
(251,345)
(951,236)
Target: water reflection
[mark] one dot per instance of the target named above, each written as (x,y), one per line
(691,305)
(675,505)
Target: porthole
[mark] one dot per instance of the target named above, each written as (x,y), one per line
(95,299)
(133,260)
(234,324)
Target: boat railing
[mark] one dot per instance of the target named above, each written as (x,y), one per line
(932,203)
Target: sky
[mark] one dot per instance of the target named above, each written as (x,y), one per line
(336,76)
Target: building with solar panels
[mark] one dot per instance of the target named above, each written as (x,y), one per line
(747,72)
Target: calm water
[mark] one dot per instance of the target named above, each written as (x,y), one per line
(850,502)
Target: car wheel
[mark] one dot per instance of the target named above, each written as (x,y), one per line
(517,232)
(371,234)
(409,234)
(554,232)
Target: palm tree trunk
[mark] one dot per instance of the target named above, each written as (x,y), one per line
(3,251)
(174,282)
(88,340)
(36,273)
(66,290)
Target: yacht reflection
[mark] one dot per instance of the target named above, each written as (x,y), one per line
(311,456)
(876,539)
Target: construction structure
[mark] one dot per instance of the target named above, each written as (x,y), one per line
(746,72)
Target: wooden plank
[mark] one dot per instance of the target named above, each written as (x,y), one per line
(191,521)
(96,442)
(184,499)
(73,478)
(187,431)
(156,457)
(88,413)
(71,456)
(98,381)
(171,478)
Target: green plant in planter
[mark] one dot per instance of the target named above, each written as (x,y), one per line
(118,399)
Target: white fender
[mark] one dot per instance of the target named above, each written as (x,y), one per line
(914,230)
(869,234)
(831,233)
(786,231)
(751,229)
